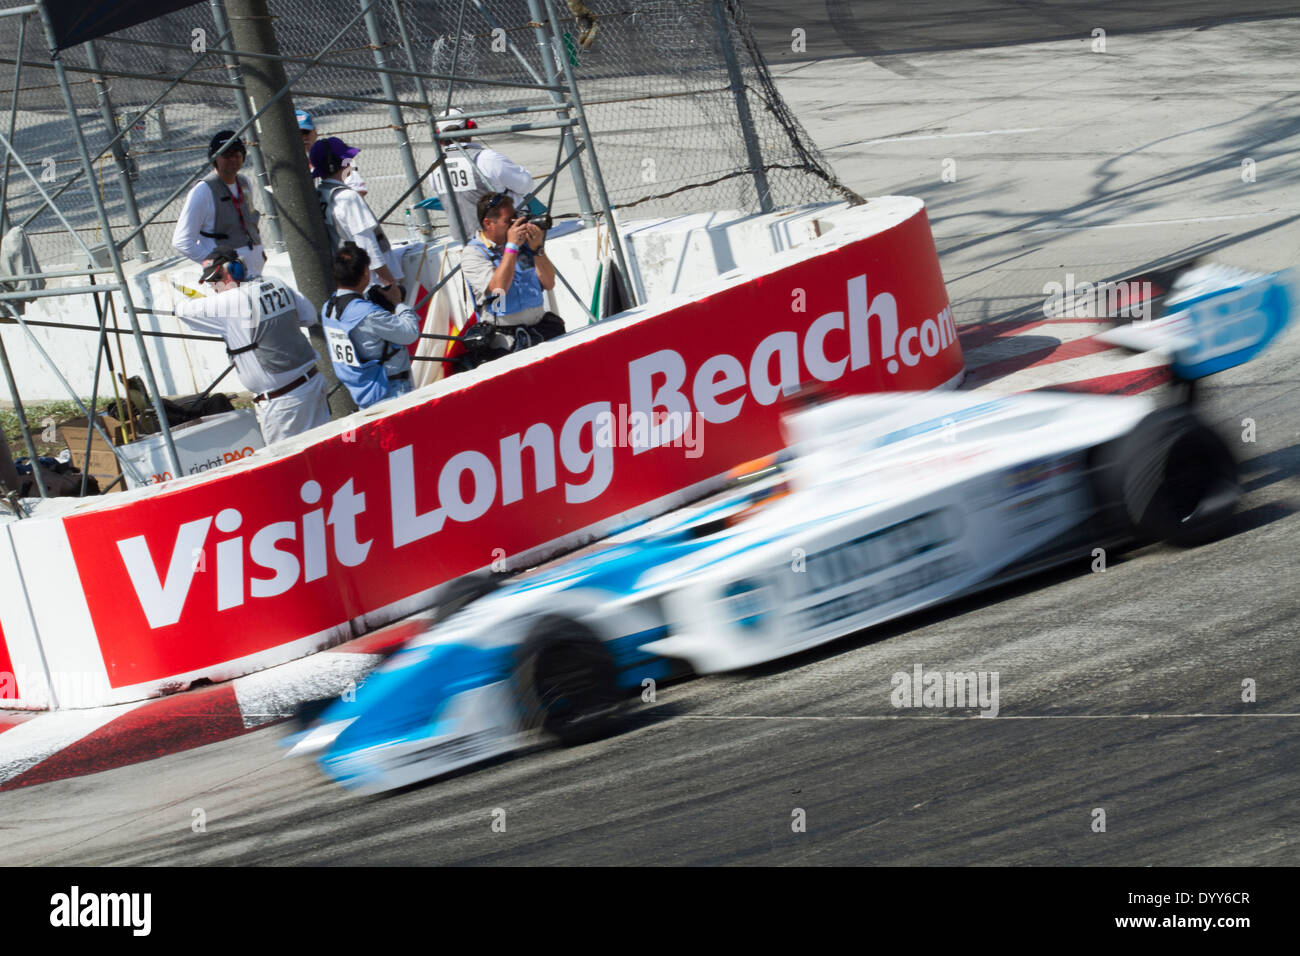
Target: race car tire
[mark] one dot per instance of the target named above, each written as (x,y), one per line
(1170,479)
(462,592)
(566,682)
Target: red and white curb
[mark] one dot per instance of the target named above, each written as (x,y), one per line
(38,748)
(1019,355)
(1004,356)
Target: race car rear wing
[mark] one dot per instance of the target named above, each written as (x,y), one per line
(1209,317)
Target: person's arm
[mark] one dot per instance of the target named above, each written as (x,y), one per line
(401,327)
(306,311)
(508,176)
(352,213)
(541,261)
(202,315)
(197,212)
(504,276)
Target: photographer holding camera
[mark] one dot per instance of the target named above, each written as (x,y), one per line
(506,265)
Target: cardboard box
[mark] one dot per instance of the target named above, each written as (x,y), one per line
(102,465)
(201,445)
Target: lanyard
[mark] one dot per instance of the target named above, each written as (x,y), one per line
(239,211)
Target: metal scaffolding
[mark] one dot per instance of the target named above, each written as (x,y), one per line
(566,104)
(539,50)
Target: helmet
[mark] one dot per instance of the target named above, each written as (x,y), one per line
(454,118)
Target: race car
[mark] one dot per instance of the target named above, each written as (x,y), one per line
(880,506)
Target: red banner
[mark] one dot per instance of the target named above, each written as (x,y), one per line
(8,679)
(617,416)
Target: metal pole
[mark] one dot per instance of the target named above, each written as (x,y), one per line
(458,230)
(21,413)
(304,227)
(13,118)
(421,91)
(119,153)
(261,23)
(289,60)
(111,248)
(120,134)
(272,216)
(742,109)
(590,145)
(90,416)
(455,55)
(395,117)
(547,53)
(101,349)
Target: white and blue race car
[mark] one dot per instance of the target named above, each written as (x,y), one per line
(881,506)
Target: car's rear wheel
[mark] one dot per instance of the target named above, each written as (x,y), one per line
(1170,479)
(566,682)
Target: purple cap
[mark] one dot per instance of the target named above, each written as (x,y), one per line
(328,155)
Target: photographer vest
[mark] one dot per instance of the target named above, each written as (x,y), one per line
(364,377)
(468,185)
(278,344)
(235,223)
(325,192)
(525,290)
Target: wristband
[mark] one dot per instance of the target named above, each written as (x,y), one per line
(511,247)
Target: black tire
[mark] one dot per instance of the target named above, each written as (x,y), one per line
(1170,479)
(566,682)
(463,591)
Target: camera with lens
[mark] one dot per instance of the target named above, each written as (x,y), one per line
(543,221)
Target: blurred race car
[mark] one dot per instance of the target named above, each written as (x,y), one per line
(882,505)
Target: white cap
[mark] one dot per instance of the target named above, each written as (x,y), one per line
(450,119)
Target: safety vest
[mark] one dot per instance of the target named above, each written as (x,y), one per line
(235,223)
(468,184)
(525,290)
(278,343)
(364,377)
(325,191)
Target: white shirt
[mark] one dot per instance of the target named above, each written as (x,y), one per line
(199,215)
(230,314)
(354,220)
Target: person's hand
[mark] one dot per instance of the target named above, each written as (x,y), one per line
(535,236)
(393,293)
(518,233)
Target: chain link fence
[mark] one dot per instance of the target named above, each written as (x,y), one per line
(680,103)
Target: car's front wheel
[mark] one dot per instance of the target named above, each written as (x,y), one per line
(566,682)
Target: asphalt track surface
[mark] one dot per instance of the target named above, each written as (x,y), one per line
(1119,691)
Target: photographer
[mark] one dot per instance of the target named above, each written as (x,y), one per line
(366,342)
(508,259)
